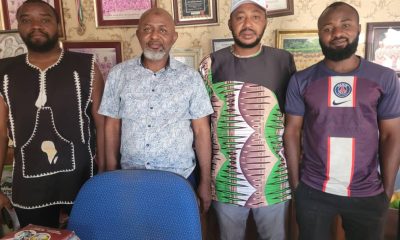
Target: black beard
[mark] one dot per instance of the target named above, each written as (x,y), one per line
(244,45)
(339,54)
(43,47)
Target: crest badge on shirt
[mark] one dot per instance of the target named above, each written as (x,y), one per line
(342,91)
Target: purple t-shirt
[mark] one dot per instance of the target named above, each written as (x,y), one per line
(340,130)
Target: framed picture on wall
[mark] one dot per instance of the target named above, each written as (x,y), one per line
(303,44)
(218,44)
(120,12)
(11,44)
(383,44)
(192,12)
(189,56)
(9,10)
(278,8)
(107,53)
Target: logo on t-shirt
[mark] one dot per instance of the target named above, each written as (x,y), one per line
(335,103)
(342,91)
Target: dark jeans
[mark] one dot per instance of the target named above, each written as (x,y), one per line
(363,218)
(46,216)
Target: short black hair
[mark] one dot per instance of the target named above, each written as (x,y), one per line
(41,2)
(335,5)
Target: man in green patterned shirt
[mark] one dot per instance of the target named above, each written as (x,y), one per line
(247,84)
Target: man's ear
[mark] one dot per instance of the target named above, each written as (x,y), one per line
(175,36)
(60,31)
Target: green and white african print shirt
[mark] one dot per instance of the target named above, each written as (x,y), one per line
(248,95)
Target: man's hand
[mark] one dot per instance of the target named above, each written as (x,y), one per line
(389,152)
(204,193)
(389,193)
(5,201)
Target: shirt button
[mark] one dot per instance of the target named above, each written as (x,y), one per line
(151,108)
(149,125)
(155,75)
(153,90)
(147,163)
(147,145)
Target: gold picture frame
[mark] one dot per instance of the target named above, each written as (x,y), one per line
(188,56)
(303,44)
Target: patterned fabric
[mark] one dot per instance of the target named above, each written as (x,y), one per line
(341,115)
(247,125)
(156,111)
(51,126)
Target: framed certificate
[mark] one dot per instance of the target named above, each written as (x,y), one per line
(120,12)
(192,12)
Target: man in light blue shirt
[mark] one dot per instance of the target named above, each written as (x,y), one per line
(156,107)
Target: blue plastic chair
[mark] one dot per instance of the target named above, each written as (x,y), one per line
(136,204)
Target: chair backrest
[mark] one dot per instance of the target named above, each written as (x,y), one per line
(136,204)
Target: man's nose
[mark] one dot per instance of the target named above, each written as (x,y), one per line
(247,22)
(37,24)
(155,34)
(337,32)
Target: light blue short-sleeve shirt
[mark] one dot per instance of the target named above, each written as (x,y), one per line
(156,110)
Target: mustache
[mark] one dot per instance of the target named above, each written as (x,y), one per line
(247,29)
(38,31)
(155,42)
(340,38)
(161,50)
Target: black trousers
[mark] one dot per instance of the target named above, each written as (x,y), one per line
(363,218)
(46,216)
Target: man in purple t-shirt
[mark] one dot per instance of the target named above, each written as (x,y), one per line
(342,125)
